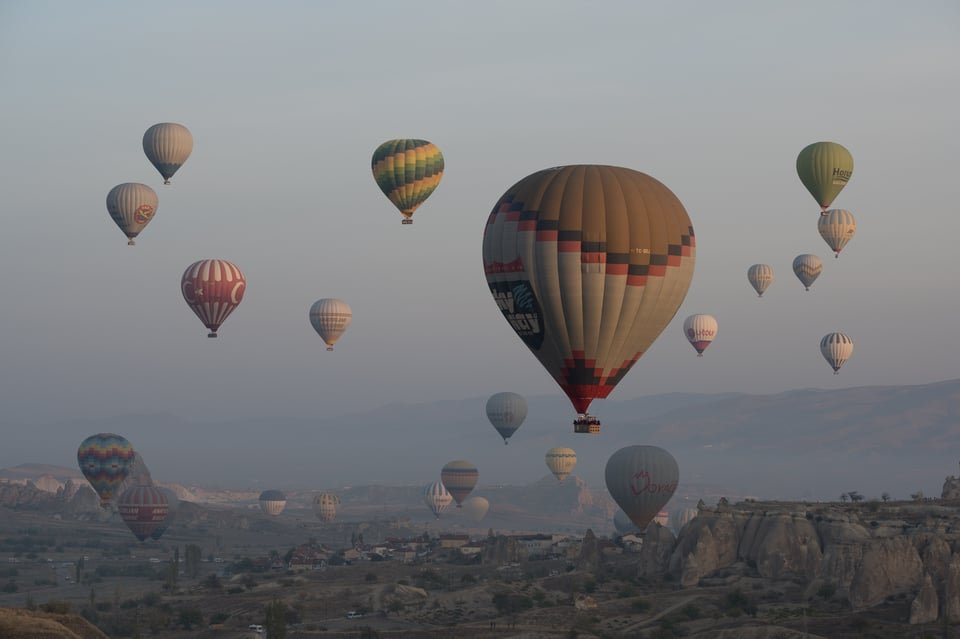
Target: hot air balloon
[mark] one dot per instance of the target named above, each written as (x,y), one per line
(213,289)
(837,227)
(807,268)
(330,318)
(105,460)
(476,509)
(760,276)
(824,168)
(143,509)
(459,477)
(588,264)
(641,479)
(561,461)
(506,411)
(167,146)
(836,349)
(272,502)
(132,206)
(436,497)
(173,505)
(623,525)
(407,171)
(325,506)
(700,330)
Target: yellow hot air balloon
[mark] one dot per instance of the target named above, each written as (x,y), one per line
(760,277)
(561,461)
(132,206)
(807,268)
(837,227)
(588,265)
(824,168)
(408,171)
(330,318)
(325,506)
(167,145)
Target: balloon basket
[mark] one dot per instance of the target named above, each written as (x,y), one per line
(587,424)
(406,221)
(211,334)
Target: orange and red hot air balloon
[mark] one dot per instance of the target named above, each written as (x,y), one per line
(213,289)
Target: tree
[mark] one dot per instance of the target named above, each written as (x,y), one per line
(190,617)
(843,497)
(885,497)
(855,496)
(276,621)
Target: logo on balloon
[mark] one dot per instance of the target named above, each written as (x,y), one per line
(143,214)
(519,306)
(641,483)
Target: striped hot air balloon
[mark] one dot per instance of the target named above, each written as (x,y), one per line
(824,168)
(561,461)
(167,145)
(588,264)
(760,277)
(132,206)
(144,509)
(436,497)
(459,477)
(700,330)
(330,318)
(272,502)
(837,227)
(213,289)
(408,171)
(325,506)
(836,348)
(105,460)
(807,268)
(506,411)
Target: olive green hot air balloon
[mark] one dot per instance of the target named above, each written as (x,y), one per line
(588,265)
(408,171)
(824,168)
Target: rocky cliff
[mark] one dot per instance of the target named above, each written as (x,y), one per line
(864,553)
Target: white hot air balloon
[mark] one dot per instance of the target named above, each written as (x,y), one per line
(132,205)
(700,330)
(506,411)
(167,145)
(561,461)
(760,277)
(837,227)
(330,318)
(836,349)
(807,268)
(436,497)
(272,502)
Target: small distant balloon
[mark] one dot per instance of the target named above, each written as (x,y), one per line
(408,171)
(143,509)
(325,506)
(506,411)
(561,461)
(272,502)
(459,477)
(824,168)
(132,205)
(807,268)
(167,145)
(837,227)
(760,277)
(213,289)
(436,497)
(836,348)
(105,460)
(700,330)
(330,317)
(476,509)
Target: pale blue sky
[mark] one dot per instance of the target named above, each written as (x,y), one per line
(287,101)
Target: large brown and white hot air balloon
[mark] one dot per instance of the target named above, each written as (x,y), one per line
(213,289)
(641,479)
(588,265)
(167,145)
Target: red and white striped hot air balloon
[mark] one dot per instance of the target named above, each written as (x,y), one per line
(213,289)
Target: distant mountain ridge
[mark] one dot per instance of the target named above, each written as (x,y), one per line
(801,444)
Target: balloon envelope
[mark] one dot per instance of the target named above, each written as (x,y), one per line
(700,330)
(807,268)
(213,289)
(506,411)
(408,171)
(836,348)
(167,145)
(272,502)
(561,461)
(330,318)
(436,497)
(837,227)
(173,505)
(760,277)
(105,460)
(476,509)
(143,509)
(588,264)
(132,206)
(459,477)
(325,506)
(641,479)
(824,168)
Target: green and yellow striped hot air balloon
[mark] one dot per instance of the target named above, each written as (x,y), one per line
(407,171)
(824,168)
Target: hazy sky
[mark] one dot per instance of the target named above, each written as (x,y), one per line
(287,101)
